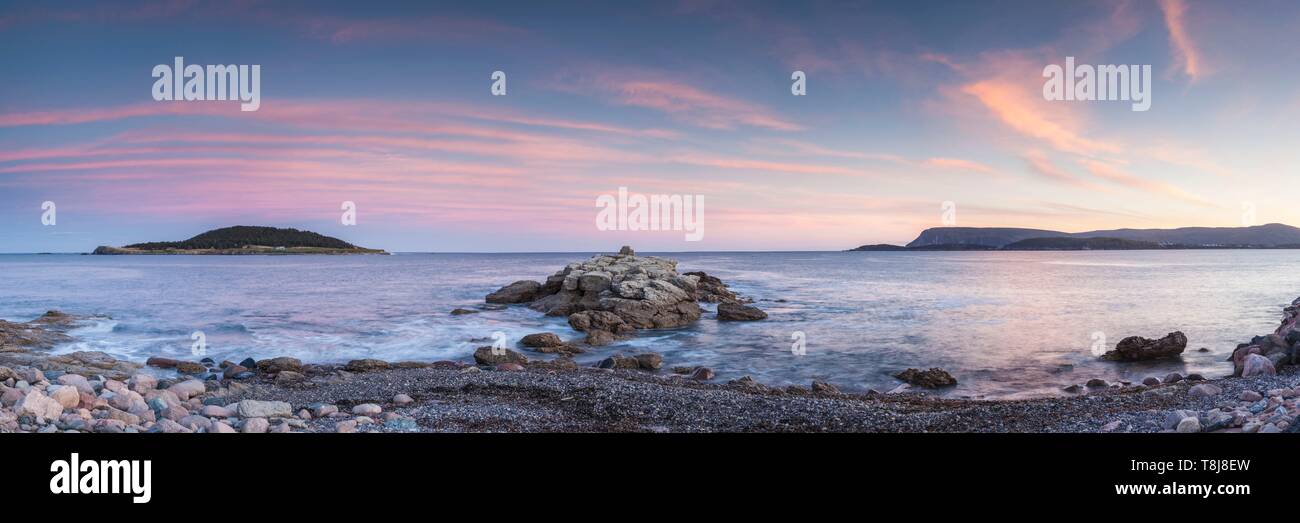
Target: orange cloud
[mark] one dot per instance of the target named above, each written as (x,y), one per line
(1016,107)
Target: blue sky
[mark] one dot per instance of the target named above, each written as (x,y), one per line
(909,105)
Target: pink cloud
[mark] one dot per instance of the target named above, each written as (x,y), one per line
(1180,39)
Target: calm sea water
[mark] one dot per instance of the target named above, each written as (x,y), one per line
(1006,324)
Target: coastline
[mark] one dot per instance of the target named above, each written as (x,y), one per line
(284,395)
(607,297)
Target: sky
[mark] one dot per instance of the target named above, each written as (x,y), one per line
(907,105)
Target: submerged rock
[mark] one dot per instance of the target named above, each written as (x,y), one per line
(1137,348)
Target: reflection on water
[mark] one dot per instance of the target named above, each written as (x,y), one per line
(1006,324)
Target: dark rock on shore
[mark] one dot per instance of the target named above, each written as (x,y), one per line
(490,356)
(646,361)
(731,311)
(1137,348)
(462,312)
(548,343)
(541,339)
(932,378)
(279,364)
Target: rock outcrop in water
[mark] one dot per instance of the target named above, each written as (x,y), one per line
(1137,348)
(1269,353)
(610,296)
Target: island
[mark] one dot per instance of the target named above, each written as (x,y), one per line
(244,239)
(1269,236)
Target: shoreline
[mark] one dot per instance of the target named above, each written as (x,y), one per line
(608,297)
(284,395)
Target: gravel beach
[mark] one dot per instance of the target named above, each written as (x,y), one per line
(548,397)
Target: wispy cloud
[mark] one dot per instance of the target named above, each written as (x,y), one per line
(1041,165)
(1113,174)
(1180,39)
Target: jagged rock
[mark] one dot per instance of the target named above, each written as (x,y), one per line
(730,311)
(599,320)
(932,378)
(518,292)
(710,289)
(1137,348)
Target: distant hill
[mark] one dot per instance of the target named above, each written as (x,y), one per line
(1078,244)
(243,239)
(1273,235)
(988,236)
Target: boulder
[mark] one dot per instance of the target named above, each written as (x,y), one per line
(518,292)
(36,404)
(279,364)
(731,311)
(142,383)
(187,389)
(489,356)
(645,361)
(1137,348)
(264,409)
(1204,390)
(1256,365)
(67,396)
(932,378)
(541,339)
(161,363)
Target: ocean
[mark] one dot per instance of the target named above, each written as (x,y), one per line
(1006,324)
